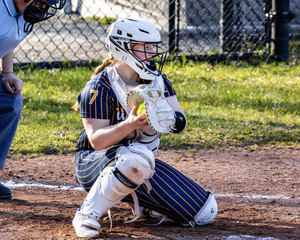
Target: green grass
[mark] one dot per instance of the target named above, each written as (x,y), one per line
(101,21)
(226,105)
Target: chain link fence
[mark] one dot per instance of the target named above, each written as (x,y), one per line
(295,31)
(208,29)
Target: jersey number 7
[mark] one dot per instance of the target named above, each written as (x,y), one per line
(95,92)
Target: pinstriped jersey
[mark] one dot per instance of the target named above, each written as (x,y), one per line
(98,100)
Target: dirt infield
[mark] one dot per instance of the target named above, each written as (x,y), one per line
(257,192)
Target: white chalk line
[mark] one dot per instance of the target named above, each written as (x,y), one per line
(248,237)
(267,197)
(13,184)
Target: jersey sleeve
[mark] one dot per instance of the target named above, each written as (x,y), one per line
(169,90)
(94,100)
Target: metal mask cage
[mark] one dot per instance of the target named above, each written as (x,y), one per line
(156,61)
(40,10)
(54,4)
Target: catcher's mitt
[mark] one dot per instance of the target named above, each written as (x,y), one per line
(161,116)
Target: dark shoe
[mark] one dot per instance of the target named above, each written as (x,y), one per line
(5,192)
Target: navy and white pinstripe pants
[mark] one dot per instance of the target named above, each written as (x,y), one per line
(172,194)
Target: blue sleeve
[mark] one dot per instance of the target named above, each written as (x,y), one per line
(94,100)
(168,87)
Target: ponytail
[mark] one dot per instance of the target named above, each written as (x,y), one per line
(76,106)
(106,62)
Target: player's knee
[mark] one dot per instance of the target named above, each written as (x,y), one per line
(208,211)
(135,164)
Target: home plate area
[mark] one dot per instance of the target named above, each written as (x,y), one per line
(257,193)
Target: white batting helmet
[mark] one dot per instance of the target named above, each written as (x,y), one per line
(133,29)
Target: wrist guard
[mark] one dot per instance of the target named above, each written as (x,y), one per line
(180,123)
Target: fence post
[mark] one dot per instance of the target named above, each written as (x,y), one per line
(267,9)
(178,26)
(171,25)
(280,16)
(226,24)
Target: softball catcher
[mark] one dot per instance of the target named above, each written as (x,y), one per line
(115,154)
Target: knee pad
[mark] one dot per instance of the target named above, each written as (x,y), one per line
(208,211)
(135,162)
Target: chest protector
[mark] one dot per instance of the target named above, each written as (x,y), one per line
(143,135)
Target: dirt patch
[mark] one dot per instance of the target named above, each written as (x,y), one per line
(257,193)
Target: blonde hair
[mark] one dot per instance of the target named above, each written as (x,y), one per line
(110,60)
(106,62)
(76,106)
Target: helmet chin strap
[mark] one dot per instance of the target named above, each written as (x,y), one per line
(152,65)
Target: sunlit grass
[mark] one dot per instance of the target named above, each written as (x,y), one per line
(238,105)
(226,105)
(48,124)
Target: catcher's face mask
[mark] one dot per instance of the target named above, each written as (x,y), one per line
(40,10)
(151,54)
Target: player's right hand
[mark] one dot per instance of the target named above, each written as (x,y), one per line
(136,121)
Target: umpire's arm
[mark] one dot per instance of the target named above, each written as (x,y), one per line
(12,83)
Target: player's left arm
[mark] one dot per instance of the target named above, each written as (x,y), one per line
(171,97)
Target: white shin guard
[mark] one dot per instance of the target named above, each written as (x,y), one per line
(135,165)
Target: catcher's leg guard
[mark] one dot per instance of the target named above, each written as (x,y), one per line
(134,165)
(205,215)
(208,211)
